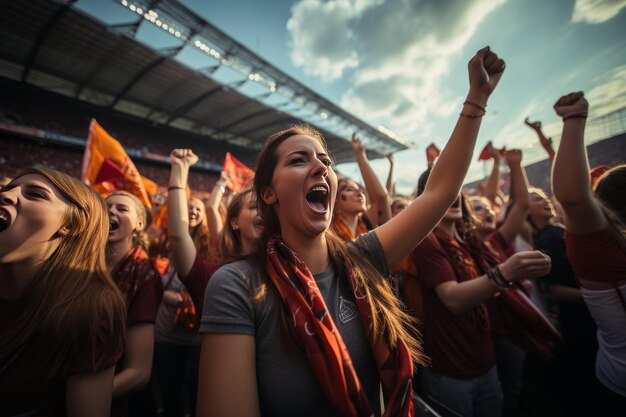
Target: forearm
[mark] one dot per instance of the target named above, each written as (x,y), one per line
(389,184)
(177,211)
(519,186)
(570,176)
(130,379)
(491,187)
(375,190)
(449,172)
(464,296)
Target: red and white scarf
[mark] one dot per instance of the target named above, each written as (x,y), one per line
(330,360)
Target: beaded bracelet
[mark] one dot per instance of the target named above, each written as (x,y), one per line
(174,187)
(471,103)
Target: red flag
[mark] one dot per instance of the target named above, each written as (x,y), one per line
(485,154)
(432,152)
(240,175)
(107,167)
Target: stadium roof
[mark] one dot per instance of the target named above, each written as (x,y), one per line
(58,46)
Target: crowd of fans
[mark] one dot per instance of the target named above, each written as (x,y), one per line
(311,294)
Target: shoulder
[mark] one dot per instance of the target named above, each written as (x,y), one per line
(239,274)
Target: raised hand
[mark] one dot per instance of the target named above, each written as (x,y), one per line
(357,146)
(533,125)
(183,157)
(527,264)
(572,104)
(485,71)
(513,157)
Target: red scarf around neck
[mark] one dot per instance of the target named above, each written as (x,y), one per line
(327,353)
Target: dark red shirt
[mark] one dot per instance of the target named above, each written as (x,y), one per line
(596,256)
(459,345)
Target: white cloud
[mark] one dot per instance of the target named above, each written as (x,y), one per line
(610,95)
(321,40)
(596,11)
(399,51)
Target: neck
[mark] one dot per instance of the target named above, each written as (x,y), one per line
(540,221)
(16,276)
(352,221)
(116,251)
(247,247)
(313,251)
(448,227)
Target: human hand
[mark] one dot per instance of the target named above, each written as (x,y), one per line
(513,157)
(533,125)
(572,103)
(172,298)
(357,147)
(527,264)
(485,71)
(224,179)
(183,157)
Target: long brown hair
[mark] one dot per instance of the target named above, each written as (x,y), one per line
(389,319)
(72,298)
(230,245)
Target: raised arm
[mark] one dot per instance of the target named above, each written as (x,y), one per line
(491,187)
(379,210)
(89,395)
(570,175)
(446,178)
(546,143)
(183,249)
(390,185)
(213,208)
(519,198)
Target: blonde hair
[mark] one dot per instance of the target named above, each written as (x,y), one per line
(230,244)
(140,238)
(72,297)
(389,319)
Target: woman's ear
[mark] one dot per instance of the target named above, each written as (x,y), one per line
(234,224)
(268,196)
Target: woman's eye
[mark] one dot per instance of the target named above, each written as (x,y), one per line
(35,194)
(327,162)
(296,161)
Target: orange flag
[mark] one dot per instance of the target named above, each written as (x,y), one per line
(107,167)
(240,174)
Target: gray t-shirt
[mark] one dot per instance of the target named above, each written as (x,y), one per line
(286,383)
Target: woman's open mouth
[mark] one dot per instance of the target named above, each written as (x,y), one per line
(113,225)
(5,220)
(317,199)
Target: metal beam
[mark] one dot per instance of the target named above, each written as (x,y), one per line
(191,104)
(263,126)
(244,119)
(42,37)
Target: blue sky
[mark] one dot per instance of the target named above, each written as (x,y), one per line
(402,63)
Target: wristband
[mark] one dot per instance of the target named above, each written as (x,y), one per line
(174,187)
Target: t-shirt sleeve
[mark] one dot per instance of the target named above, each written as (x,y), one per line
(197,279)
(369,245)
(432,265)
(228,305)
(145,303)
(596,256)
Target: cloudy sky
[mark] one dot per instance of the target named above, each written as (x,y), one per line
(403,63)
